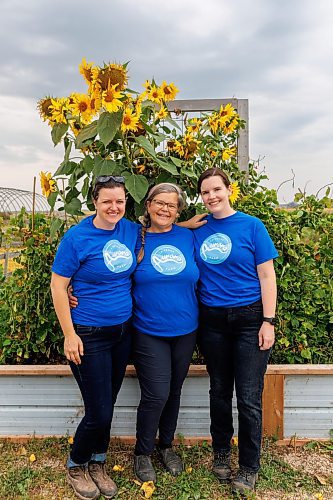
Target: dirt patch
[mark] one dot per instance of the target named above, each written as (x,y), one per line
(314,463)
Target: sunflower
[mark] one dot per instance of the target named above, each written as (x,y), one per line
(95,104)
(191,145)
(194,125)
(162,113)
(227,112)
(169,91)
(227,153)
(140,168)
(235,192)
(214,123)
(178,147)
(75,127)
(43,106)
(88,71)
(130,121)
(80,105)
(155,94)
(59,107)
(230,127)
(48,185)
(112,75)
(110,99)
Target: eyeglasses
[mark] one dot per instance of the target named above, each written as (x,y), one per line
(170,206)
(102,179)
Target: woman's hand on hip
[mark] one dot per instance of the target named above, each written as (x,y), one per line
(266,336)
(73,302)
(73,348)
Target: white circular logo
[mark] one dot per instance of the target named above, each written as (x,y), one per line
(117,257)
(167,259)
(216,248)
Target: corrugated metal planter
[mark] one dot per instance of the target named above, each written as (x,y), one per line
(45,401)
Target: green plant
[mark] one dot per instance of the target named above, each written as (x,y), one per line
(29,330)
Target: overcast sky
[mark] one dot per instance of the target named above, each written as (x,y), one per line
(277,54)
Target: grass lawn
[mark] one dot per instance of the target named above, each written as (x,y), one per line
(35,470)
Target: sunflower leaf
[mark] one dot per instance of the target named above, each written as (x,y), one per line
(108,125)
(86,133)
(146,145)
(169,167)
(73,207)
(105,167)
(136,185)
(58,131)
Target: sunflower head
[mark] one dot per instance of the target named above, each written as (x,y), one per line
(112,74)
(87,71)
(43,106)
(235,192)
(169,91)
(48,185)
(130,121)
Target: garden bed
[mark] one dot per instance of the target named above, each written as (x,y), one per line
(44,400)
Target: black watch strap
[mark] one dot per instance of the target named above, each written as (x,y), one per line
(271,321)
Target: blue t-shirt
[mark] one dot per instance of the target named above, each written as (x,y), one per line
(100,263)
(164,285)
(228,252)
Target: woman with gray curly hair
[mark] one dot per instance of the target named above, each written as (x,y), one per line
(165,320)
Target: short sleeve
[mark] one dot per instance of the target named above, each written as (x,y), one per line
(263,244)
(66,261)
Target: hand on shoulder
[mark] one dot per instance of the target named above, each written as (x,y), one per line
(195,221)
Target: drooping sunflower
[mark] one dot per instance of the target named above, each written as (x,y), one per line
(154,94)
(227,153)
(112,75)
(130,121)
(59,108)
(162,113)
(48,184)
(44,108)
(111,99)
(178,147)
(75,127)
(80,105)
(235,192)
(169,91)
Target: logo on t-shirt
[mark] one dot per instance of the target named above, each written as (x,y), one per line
(216,248)
(117,257)
(167,259)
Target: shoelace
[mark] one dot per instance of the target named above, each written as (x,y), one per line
(221,458)
(97,467)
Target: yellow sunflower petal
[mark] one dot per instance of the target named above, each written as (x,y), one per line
(148,488)
(235,192)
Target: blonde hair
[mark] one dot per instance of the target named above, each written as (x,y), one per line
(164,187)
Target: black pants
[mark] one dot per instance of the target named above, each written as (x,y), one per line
(228,339)
(99,377)
(161,364)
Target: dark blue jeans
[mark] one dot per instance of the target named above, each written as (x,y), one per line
(228,339)
(99,377)
(161,365)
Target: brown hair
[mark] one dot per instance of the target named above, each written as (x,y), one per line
(211,172)
(111,184)
(164,187)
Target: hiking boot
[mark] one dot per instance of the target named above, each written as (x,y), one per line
(244,481)
(221,465)
(81,482)
(171,461)
(143,468)
(98,474)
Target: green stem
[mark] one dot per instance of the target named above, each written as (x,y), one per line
(126,151)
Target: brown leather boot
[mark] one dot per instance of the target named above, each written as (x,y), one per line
(98,474)
(81,482)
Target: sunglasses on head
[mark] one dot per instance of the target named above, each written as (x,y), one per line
(102,179)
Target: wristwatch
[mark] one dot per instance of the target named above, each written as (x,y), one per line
(271,321)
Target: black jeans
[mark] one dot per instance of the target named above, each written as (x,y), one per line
(228,339)
(99,377)
(161,365)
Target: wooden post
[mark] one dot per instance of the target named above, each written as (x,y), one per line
(273,405)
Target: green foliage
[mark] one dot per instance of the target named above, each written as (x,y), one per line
(304,268)
(29,330)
